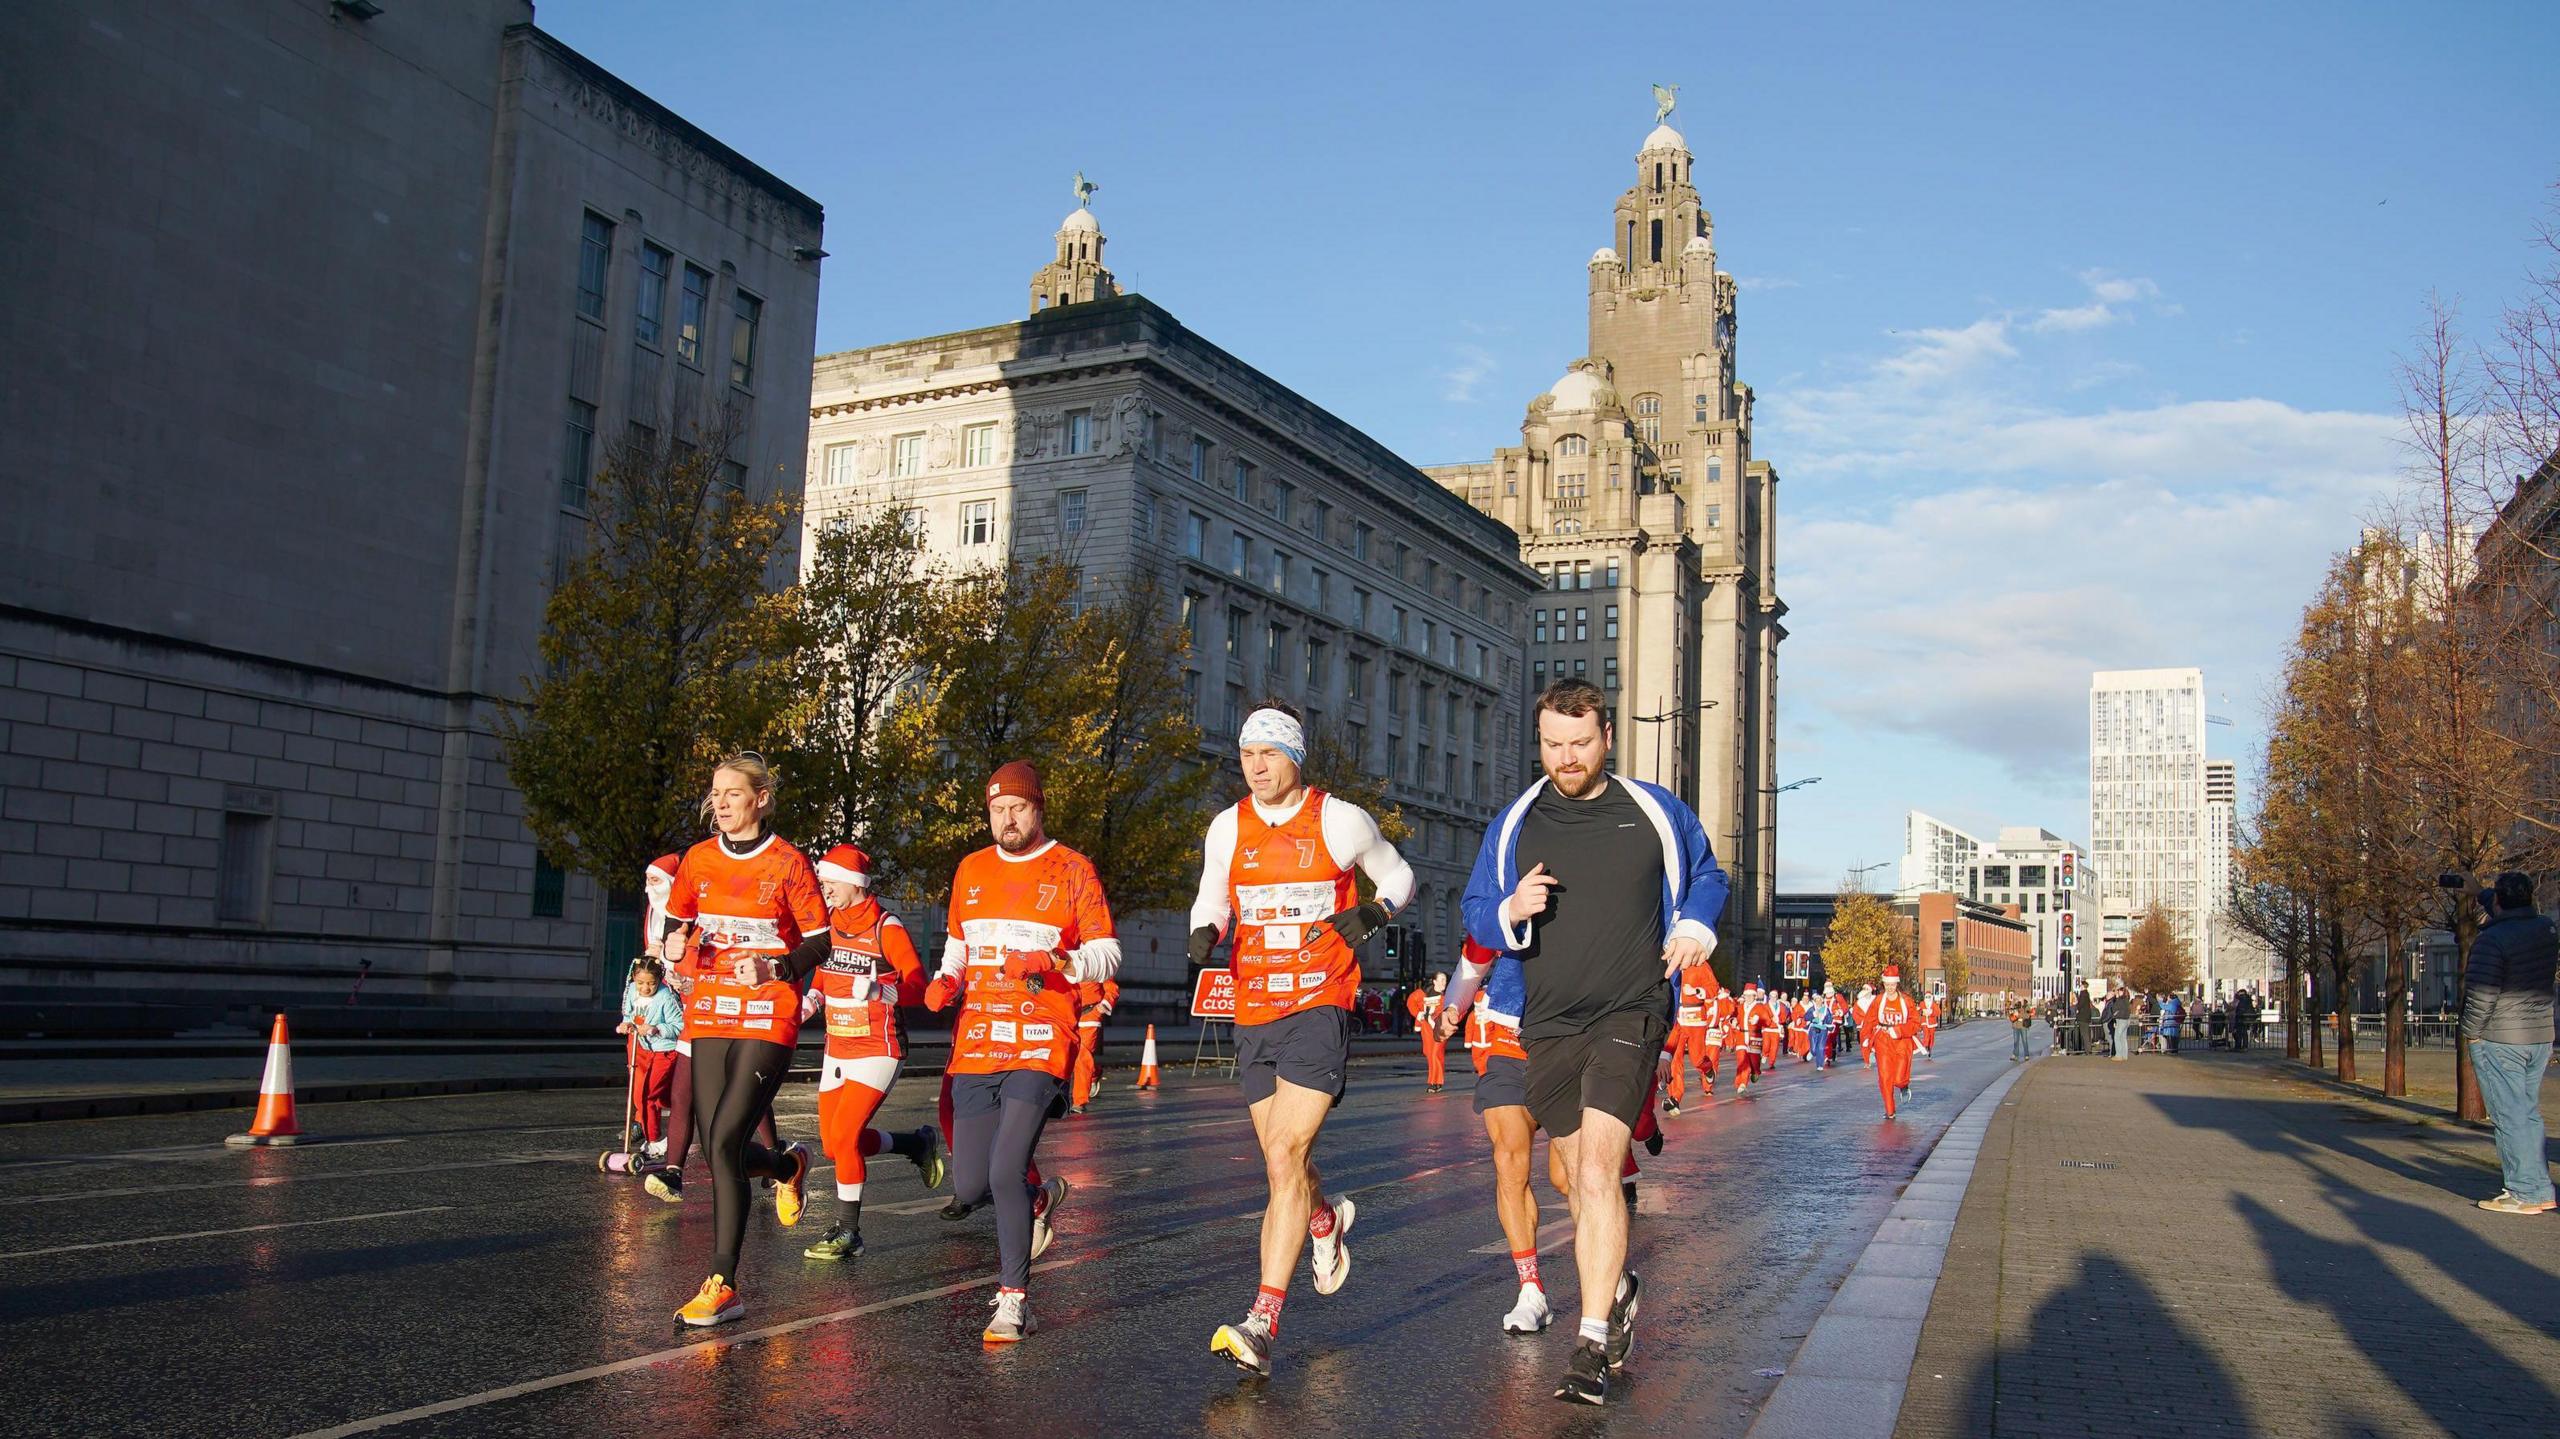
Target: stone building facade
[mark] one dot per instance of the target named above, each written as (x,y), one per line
(1636,496)
(1307,559)
(2058,903)
(338,315)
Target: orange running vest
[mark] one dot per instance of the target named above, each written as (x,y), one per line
(1281,880)
(1048,904)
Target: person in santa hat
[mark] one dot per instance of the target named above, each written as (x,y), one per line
(1892,1032)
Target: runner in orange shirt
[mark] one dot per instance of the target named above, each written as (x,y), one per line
(1028,924)
(753,909)
(1891,1034)
(871,968)
(1279,874)
(1693,1022)
(1424,1006)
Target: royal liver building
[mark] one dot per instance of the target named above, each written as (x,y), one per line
(1636,496)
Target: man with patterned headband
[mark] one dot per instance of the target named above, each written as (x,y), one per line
(1278,874)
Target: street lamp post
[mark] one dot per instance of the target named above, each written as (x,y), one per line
(1666,717)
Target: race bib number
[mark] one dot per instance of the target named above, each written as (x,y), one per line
(849,1021)
(988,939)
(1283,904)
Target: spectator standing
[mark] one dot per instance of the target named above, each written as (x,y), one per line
(2022,1022)
(2244,1018)
(2084,1021)
(2118,1016)
(2507,1021)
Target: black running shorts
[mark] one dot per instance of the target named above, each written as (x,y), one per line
(1505,1081)
(1311,1049)
(1608,1067)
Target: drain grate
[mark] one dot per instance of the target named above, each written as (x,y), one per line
(2085,1164)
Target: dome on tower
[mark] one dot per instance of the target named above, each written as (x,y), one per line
(1582,389)
(1082,219)
(1698,245)
(1664,138)
(1604,256)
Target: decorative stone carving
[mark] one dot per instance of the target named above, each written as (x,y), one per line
(1128,425)
(872,458)
(941,446)
(1032,432)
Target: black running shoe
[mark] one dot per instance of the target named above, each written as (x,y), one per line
(954,1209)
(1586,1378)
(1622,1320)
(1653,1142)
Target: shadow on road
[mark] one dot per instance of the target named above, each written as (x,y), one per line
(2380,1312)
(2103,1356)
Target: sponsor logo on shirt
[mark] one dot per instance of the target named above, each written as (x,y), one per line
(1281,983)
(1039,1031)
(726,1004)
(1040,1053)
(759,1006)
(1003,1031)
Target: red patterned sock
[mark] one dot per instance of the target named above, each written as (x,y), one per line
(1524,1262)
(1266,1302)
(1320,1223)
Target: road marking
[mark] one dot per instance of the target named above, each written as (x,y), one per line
(747,1336)
(266,1181)
(1551,1236)
(219,1233)
(173,1152)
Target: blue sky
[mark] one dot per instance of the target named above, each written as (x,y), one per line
(2072,327)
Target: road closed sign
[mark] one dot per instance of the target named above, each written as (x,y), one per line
(1213,995)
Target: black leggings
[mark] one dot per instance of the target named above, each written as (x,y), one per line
(680,1120)
(996,1121)
(734,1081)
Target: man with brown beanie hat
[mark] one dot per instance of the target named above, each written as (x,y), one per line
(1028,924)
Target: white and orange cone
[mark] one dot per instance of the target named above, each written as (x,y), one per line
(273,1124)
(1147,1061)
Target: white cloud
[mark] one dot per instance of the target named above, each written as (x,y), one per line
(1464,378)
(2108,295)
(1748,284)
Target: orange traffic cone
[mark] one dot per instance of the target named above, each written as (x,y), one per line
(1147,1061)
(273,1123)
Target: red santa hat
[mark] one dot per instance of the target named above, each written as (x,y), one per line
(1893,971)
(661,873)
(846,864)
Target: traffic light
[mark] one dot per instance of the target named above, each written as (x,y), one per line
(1395,946)
(2070,870)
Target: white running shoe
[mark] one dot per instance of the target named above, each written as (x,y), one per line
(1248,1343)
(1012,1319)
(1531,1314)
(1331,1255)
(1044,1220)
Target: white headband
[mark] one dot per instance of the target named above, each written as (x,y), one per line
(1271,727)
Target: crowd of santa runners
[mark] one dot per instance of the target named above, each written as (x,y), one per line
(1585,995)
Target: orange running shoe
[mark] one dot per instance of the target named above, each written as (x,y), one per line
(716,1303)
(790,1196)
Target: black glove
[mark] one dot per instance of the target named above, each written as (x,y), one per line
(1203,940)
(1357,923)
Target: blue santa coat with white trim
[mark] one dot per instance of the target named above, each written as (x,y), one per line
(1694,886)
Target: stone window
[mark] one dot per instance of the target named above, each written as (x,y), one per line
(1609,578)
(1280,572)
(1079,432)
(1609,672)
(749,315)
(1581,624)
(1240,478)
(1239,556)
(1235,634)
(906,456)
(1572,447)
(247,859)
(1715,517)
(550,888)
(840,459)
(1276,646)
(578,459)
(1359,680)
(1280,496)
(1195,537)
(1538,629)
(1142,516)
(693,312)
(978,522)
(1702,411)
(1360,542)
(595,258)
(1191,618)
(1715,469)
(1316,670)
(1071,507)
(649,319)
(1360,607)
(978,445)
(1235,708)
(1200,459)
(1648,404)
(1609,624)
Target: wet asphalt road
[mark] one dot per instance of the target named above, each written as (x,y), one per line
(457,1265)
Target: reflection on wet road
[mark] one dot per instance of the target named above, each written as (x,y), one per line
(457,1266)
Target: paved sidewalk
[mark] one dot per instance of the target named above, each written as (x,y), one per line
(2215,1244)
